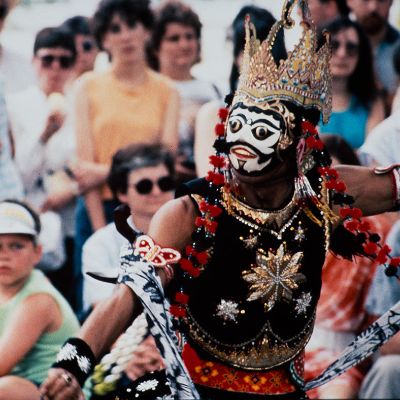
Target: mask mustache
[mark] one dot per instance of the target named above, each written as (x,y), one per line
(261,157)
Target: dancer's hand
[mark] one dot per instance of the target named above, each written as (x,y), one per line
(61,385)
(145,359)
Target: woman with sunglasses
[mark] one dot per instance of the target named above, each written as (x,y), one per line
(356,106)
(142,177)
(128,103)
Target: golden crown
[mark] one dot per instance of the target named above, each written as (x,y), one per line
(303,78)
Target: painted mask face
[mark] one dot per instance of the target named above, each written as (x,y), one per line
(252,136)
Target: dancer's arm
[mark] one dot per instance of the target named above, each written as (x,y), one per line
(372,193)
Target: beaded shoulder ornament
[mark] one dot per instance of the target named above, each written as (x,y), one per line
(304,80)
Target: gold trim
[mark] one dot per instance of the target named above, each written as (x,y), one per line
(275,218)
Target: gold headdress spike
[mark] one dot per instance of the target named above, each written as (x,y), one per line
(303,78)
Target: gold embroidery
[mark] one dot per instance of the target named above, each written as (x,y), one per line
(274,277)
(275,219)
(264,352)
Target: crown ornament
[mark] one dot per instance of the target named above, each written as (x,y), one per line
(303,78)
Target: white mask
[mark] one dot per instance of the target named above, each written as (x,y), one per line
(252,138)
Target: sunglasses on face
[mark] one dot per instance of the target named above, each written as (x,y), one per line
(176,38)
(350,47)
(65,62)
(146,185)
(117,28)
(87,46)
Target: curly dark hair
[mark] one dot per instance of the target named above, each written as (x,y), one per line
(361,84)
(130,11)
(133,157)
(169,12)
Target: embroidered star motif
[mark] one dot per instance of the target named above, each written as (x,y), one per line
(228,310)
(274,277)
(300,234)
(302,303)
(250,242)
(147,385)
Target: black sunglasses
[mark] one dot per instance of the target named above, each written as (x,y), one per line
(65,62)
(87,46)
(350,47)
(145,186)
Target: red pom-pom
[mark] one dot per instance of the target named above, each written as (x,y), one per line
(351,225)
(177,311)
(199,221)
(331,184)
(223,113)
(381,257)
(340,186)
(214,211)
(345,212)
(311,142)
(318,145)
(212,226)
(181,298)
(307,126)
(356,213)
(185,264)
(220,129)
(202,257)
(217,161)
(395,262)
(370,248)
(332,173)
(218,179)
(365,226)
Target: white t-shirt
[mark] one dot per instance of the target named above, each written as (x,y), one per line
(101,256)
(383,143)
(28,111)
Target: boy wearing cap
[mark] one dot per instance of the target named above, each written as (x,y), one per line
(34,318)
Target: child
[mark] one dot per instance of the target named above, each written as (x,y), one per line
(35,319)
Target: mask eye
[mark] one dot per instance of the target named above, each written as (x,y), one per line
(260,132)
(235,125)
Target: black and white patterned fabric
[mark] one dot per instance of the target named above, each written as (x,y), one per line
(142,278)
(362,346)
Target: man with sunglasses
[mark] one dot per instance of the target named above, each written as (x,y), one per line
(142,177)
(16,72)
(43,134)
(86,47)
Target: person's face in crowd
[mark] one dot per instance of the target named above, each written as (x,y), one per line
(321,13)
(371,14)
(148,189)
(18,256)
(54,67)
(179,46)
(87,51)
(124,41)
(345,48)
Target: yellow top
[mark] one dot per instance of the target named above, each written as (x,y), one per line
(121,115)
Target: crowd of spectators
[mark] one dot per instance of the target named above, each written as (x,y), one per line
(77,141)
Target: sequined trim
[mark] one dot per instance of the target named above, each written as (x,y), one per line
(267,350)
